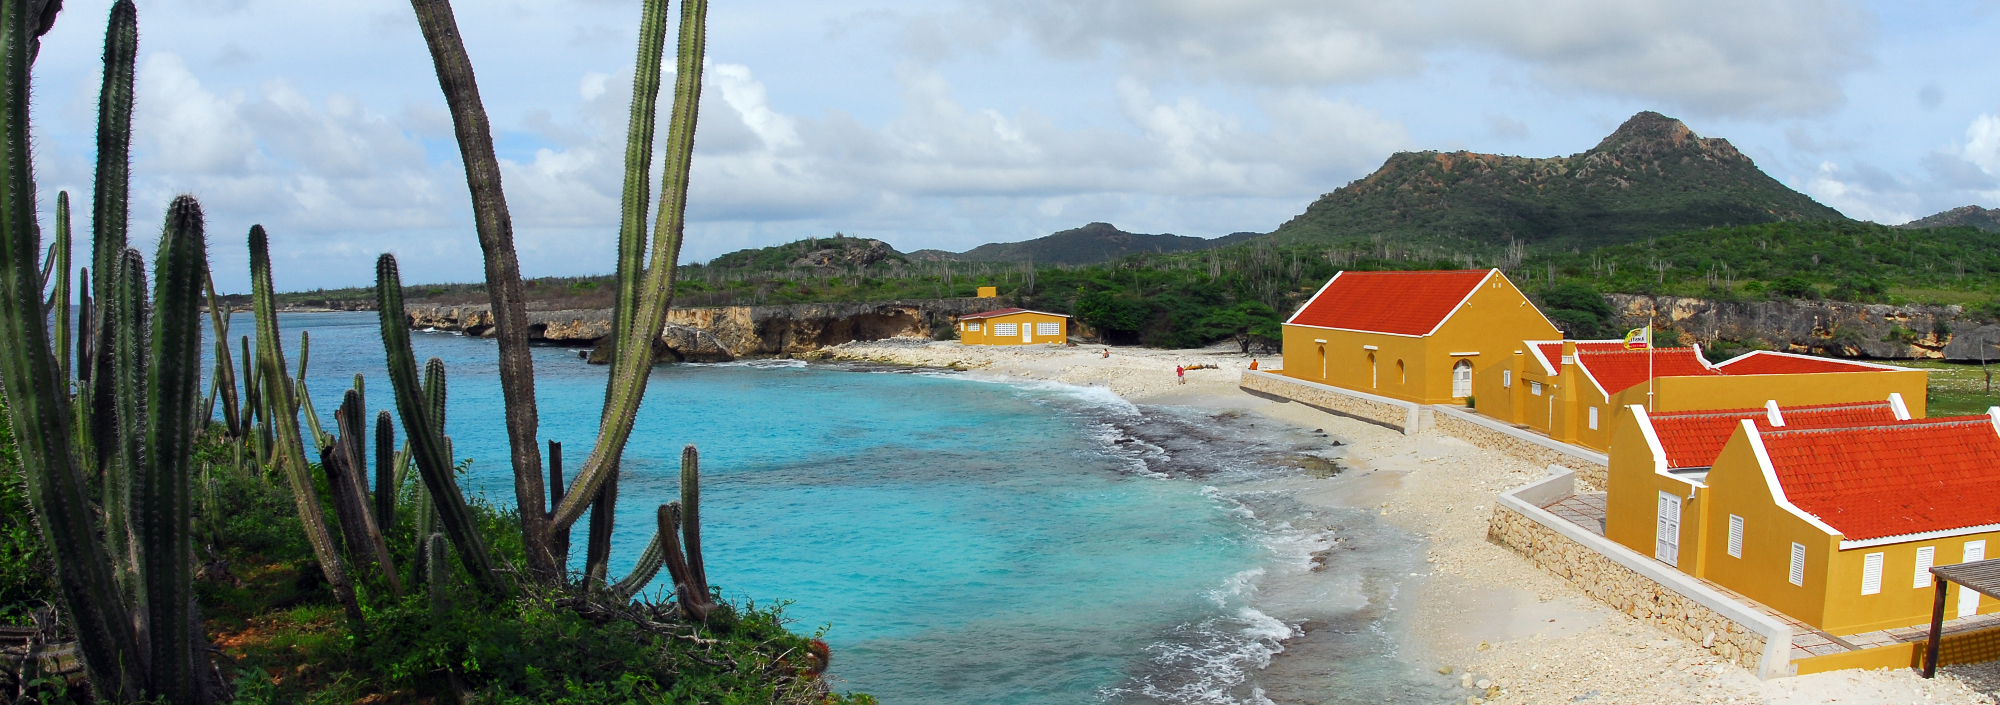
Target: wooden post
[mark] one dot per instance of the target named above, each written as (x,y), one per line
(1937,627)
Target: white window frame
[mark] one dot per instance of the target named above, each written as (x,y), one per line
(1506,379)
(1735,536)
(1926,557)
(1798,567)
(1455,388)
(1048,329)
(973,326)
(1871,574)
(1593,418)
(1534,388)
(1006,330)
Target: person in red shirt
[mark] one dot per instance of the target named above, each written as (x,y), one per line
(1253,363)
(1180,373)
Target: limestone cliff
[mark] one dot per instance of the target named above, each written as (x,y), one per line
(1820,327)
(728,332)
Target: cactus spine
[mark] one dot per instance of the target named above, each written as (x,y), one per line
(423,425)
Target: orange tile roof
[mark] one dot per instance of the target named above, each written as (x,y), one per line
(1768,363)
(1402,303)
(1617,370)
(1892,479)
(1692,439)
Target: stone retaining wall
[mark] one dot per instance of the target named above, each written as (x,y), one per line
(1667,599)
(1402,416)
(1592,473)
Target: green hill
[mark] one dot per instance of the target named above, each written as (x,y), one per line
(1653,176)
(1090,244)
(1962,216)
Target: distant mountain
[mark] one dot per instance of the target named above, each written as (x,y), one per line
(1987,220)
(835,253)
(1090,244)
(1653,176)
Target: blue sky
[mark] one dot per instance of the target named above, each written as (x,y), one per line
(953,123)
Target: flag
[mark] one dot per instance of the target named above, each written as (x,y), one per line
(1639,338)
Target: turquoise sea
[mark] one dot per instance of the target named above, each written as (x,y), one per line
(962,539)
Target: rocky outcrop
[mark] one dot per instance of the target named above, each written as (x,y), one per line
(1834,328)
(726,332)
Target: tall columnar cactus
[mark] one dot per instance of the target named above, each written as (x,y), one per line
(387,480)
(365,540)
(423,425)
(287,450)
(225,367)
(110,198)
(59,288)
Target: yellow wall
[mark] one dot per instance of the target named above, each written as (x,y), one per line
(985,336)
(1492,322)
(1751,391)
(1900,603)
(1737,486)
(1632,496)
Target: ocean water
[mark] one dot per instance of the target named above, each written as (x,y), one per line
(964,539)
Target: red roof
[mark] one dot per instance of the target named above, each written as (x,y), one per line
(1617,370)
(1401,303)
(1892,479)
(1553,351)
(1692,439)
(1004,312)
(1763,362)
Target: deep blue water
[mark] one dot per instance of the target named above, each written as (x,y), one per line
(960,540)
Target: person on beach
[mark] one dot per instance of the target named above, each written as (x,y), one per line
(1253,363)
(1180,373)
(1107,353)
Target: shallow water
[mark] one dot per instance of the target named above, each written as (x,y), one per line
(970,540)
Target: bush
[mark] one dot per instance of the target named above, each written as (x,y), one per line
(1794,287)
(25,571)
(1578,310)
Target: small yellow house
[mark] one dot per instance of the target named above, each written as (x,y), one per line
(1569,389)
(1838,527)
(1415,336)
(1013,326)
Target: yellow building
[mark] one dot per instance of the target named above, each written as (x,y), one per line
(1416,336)
(1013,326)
(1836,526)
(1569,389)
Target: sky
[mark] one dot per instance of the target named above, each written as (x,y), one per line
(951,123)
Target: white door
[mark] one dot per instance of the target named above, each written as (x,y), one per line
(1027,332)
(1461,379)
(1968,601)
(1667,546)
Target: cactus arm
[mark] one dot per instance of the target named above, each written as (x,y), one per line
(402,465)
(125,322)
(225,368)
(434,394)
(367,534)
(632,363)
(438,576)
(691,517)
(287,450)
(694,605)
(559,539)
(387,477)
(61,291)
(38,401)
(110,196)
(426,437)
(643,572)
(162,498)
(503,272)
(638,166)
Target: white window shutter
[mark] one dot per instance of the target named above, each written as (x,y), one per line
(1871,574)
(1593,418)
(1735,536)
(1926,557)
(1798,576)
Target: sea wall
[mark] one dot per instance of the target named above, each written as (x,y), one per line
(1400,415)
(1834,328)
(1592,468)
(1652,593)
(726,332)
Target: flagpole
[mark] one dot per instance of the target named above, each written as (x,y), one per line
(1652,312)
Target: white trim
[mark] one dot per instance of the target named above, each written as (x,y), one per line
(1926,557)
(1464,354)
(1354,330)
(1315,297)
(1771,479)
(1857,363)
(1364,347)
(1593,380)
(1896,406)
(1468,297)
(1920,536)
(1993,413)
(1773,414)
(1652,438)
(1322,341)
(977,317)
(1535,348)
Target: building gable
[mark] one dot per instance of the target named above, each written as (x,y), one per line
(1410,304)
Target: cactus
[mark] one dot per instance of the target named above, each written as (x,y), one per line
(59,289)
(559,540)
(649,562)
(597,543)
(124,316)
(423,426)
(344,478)
(387,479)
(439,577)
(109,204)
(691,517)
(287,449)
(225,368)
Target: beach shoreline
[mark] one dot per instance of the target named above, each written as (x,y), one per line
(1506,631)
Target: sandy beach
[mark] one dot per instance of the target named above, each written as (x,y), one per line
(1506,632)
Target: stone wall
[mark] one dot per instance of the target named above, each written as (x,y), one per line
(1590,472)
(1399,415)
(1627,591)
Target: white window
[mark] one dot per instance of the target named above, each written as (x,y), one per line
(974,327)
(1926,557)
(1593,418)
(1535,388)
(1871,574)
(1507,379)
(1968,601)
(1798,576)
(1048,329)
(1735,536)
(1667,544)
(1461,379)
(1005,330)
